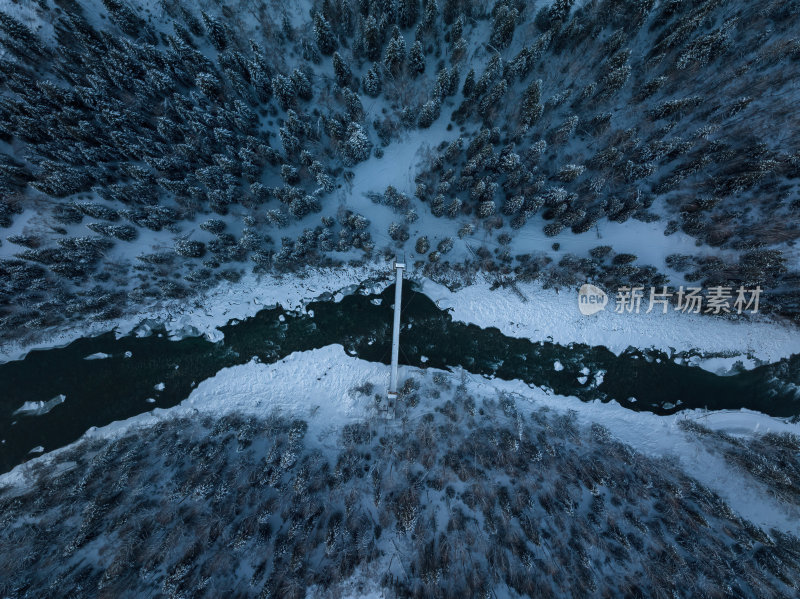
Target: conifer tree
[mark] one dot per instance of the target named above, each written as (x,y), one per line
(560,9)
(454,207)
(409,12)
(469,84)
(355,109)
(216,32)
(357,146)
(371,36)
(457,30)
(388,12)
(124,17)
(416,59)
(531,108)
(395,52)
(323,34)
(429,17)
(341,70)
(505,20)
(429,112)
(302,86)
(486,208)
(372,81)
(283,88)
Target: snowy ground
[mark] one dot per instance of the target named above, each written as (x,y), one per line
(318,386)
(551,315)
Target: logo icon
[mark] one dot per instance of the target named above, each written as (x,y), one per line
(591,299)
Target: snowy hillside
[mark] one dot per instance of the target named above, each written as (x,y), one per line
(151,150)
(280,481)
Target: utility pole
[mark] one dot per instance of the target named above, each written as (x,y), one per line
(399,266)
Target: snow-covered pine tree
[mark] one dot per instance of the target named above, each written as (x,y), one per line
(372,81)
(323,35)
(357,146)
(355,109)
(277,218)
(398,232)
(189,248)
(124,17)
(553,229)
(457,30)
(291,143)
(216,32)
(531,109)
(466,230)
(513,205)
(505,20)
(387,9)
(437,205)
(416,59)
(487,208)
(301,84)
(492,98)
(372,38)
(559,11)
(408,13)
(284,91)
(429,112)
(454,207)
(341,70)
(28,42)
(429,16)
(562,133)
(469,84)
(395,55)
(209,84)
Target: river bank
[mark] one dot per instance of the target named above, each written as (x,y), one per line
(325,387)
(110,377)
(529,312)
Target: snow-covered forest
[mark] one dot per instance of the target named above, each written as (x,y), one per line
(150,150)
(174,167)
(468,493)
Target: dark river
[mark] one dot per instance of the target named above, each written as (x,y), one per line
(101,391)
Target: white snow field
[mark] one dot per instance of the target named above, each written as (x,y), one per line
(553,315)
(319,387)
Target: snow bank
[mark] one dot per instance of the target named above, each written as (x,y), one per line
(551,315)
(315,385)
(546,315)
(225,302)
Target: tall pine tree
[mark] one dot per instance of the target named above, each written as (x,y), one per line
(323,34)
(395,52)
(409,12)
(416,59)
(341,70)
